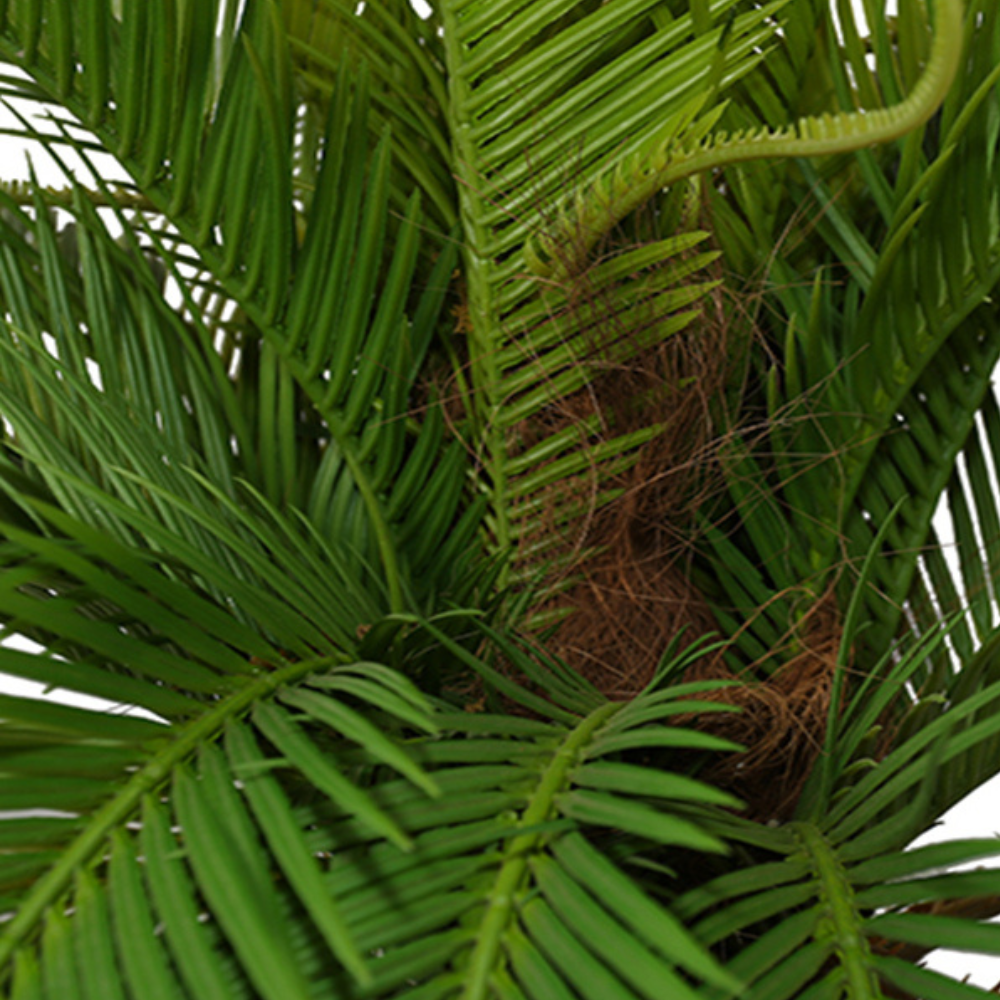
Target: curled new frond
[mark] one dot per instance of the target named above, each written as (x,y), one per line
(685,148)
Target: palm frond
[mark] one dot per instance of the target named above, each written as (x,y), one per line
(117,627)
(405,56)
(502,885)
(476,852)
(835,902)
(544,101)
(353,361)
(859,416)
(638,176)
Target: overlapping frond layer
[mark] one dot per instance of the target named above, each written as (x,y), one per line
(542,101)
(205,126)
(512,888)
(226,850)
(405,56)
(837,903)
(94,860)
(833,904)
(944,242)
(889,342)
(134,624)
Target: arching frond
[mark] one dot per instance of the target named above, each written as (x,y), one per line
(326,343)
(835,905)
(542,102)
(860,415)
(670,158)
(117,627)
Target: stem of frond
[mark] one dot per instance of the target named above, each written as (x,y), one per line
(94,836)
(840,921)
(512,871)
(596,210)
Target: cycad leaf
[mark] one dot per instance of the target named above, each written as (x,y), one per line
(848,902)
(536,348)
(860,377)
(497,848)
(98,770)
(355,363)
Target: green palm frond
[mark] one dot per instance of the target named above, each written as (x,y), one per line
(639,176)
(814,927)
(834,904)
(543,101)
(380,887)
(405,55)
(860,416)
(502,886)
(350,358)
(136,465)
(117,627)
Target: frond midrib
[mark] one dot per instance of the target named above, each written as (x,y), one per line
(124,804)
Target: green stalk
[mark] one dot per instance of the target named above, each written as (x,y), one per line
(510,878)
(484,335)
(634,182)
(841,921)
(93,838)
